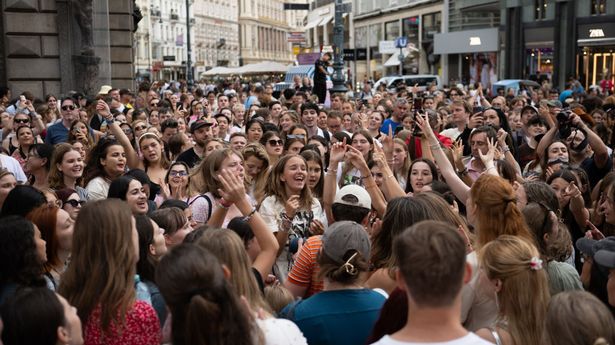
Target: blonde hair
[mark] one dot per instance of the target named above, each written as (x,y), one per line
(524,294)
(278,297)
(203,178)
(230,250)
(578,318)
(276,187)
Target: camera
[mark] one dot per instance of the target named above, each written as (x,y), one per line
(564,123)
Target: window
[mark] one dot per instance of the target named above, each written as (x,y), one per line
(431,25)
(391,30)
(598,7)
(540,9)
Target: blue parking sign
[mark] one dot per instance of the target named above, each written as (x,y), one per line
(401,42)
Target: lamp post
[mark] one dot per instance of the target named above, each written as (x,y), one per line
(338,79)
(189,78)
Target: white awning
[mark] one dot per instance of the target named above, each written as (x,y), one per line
(312,24)
(326,20)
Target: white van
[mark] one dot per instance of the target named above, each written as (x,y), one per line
(423,81)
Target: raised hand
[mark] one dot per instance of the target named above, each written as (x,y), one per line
(593,232)
(501,135)
(423,123)
(292,205)
(317,227)
(338,151)
(103,109)
(487,158)
(233,189)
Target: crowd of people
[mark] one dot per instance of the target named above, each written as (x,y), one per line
(230,213)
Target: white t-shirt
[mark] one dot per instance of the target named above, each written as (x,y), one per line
(12,165)
(452,133)
(281,332)
(468,339)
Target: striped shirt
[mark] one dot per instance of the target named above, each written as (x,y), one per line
(305,269)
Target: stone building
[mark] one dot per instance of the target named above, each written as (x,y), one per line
(55,46)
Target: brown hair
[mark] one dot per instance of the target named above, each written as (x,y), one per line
(228,247)
(205,308)
(496,210)
(510,260)
(578,318)
(103,265)
(431,256)
(203,178)
(170,219)
(259,184)
(275,186)
(56,177)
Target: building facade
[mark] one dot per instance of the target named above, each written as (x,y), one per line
(377,21)
(215,35)
(264,27)
(557,40)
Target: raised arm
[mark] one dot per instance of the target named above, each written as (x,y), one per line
(459,188)
(378,202)
(233,191)
(132,157)
(336,155)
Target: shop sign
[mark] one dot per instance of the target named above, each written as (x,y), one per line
(349,54)
(387,47)
(361,54)
(475,41)
(596,33)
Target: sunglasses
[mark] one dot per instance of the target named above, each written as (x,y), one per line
(22,120)
(178,173)
(140,128)
(154,104)
(75,203)
(68,107)
(127,130)
(274,142)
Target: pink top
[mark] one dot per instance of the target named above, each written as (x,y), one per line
(141,327)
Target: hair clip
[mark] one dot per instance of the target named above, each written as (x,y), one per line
(535,263)
(350,269)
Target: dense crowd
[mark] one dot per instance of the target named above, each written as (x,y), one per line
(230,213)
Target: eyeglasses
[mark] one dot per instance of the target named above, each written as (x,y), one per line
(140,128)
(75,203)
(155,104)
(68,107)
(274,142)
(21,120)
(175,173)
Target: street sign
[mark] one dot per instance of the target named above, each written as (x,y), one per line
(349,54)
(401,42)
(327,49)
(296,50)
(296,37)
(387,47)
(288,6)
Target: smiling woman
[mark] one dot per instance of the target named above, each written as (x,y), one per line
(129,189)
(289,209)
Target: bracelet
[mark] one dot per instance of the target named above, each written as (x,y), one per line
(505,149)
(434,146)
(463,171)
(489,168)
(390,176)
(109,122)
(249,216)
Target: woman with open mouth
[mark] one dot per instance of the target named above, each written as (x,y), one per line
(129,189)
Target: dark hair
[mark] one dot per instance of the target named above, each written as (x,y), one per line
(140,176)
(21,200)
(43,151)
(341,135)
(488,130)
(32,316)
(256,120)
(267,135)
(242,229)
(93,167)
(18,252)
(170,219)
(343,212)
(309,106)
(432,168)
(119,187)
(182,205)
(146,266)
(192,283)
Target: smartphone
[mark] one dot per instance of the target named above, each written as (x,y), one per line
(417,106)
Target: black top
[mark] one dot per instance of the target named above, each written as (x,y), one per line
(318,75)
(189,157)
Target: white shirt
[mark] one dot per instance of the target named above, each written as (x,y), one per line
(452,133)
(468,339)
(98,188)
(12,165)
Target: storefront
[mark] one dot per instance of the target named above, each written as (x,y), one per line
(538,53)
(477,51)
(596,52)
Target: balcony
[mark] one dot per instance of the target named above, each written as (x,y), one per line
(174,16)
(155,13)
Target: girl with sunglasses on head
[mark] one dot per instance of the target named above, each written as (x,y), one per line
(11,142)
(274,145)
(71,202)
(153,161)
